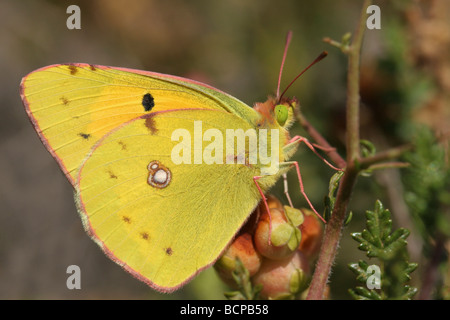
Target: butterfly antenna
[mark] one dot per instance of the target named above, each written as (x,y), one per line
(286,46)
(320,57)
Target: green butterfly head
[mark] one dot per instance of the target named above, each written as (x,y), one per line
(284,112)
(276,111)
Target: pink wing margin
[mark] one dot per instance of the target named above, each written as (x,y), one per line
(35,124)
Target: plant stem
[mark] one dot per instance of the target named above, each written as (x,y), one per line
(389,154)
(431,273)
(353,98)
(332,236)
(333,228)
(389,165)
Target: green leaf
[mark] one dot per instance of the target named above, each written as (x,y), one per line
(242,278)
(360,269)
(389,247)
(367,148)
(330,199)
(348,218)
(360,293)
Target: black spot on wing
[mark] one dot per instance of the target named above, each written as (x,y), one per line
(84,135)
(148,102)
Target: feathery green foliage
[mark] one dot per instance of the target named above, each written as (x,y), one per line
(245,289)
(427,184)
(389,247)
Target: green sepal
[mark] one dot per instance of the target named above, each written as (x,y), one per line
(295,216)
(282,234)
(295,239)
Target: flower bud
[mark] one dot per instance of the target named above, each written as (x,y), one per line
(272,202)
(282,279)
(242,248)
(312,232)
(251,224)
(276,235)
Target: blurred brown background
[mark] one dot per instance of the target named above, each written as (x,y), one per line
(233,45)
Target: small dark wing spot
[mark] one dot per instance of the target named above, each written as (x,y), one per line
(150,124)
(148,102)
(73,69)
(112,175)
(126,219)
(92,67)
(64,100)
(145,235)
(169,251)
(84,135)
(123,145)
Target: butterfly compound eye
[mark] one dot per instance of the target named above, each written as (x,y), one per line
(281,112)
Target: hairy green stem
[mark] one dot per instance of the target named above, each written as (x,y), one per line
(334,227)
(332,236)
(353,98)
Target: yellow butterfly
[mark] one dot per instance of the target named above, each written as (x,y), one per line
(111,130)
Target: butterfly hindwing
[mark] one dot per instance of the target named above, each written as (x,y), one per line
(164,234)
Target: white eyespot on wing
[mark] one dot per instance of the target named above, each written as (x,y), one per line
(159,175)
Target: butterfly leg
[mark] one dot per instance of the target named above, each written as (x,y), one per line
(313,147)
(286,191)
(302,189)
(291,144)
